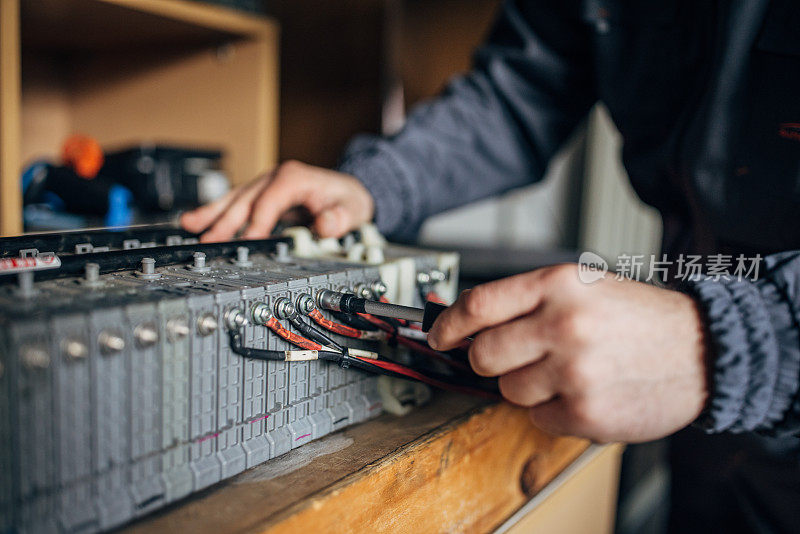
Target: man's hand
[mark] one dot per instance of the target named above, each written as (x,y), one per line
(611,361)
(338,203)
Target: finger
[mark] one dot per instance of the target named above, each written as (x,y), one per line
(530,385)
(333,222)
(199,219)
(234,216)
(569,415)
(277,198)
(507,347)
(553,417)
(486,305)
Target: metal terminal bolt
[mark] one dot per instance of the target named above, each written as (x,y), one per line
(281,252)
(177,329)
(206,324)
(91,275)
(34,357)
(362,291)
(304,304)
(146,335)
(110,342)
(284,308)
(431,277)
(260,313)
(242,257)
(148,270)
(438,276)
(235,319)
(378,288)
(74,349)
(25,287)
(199,263)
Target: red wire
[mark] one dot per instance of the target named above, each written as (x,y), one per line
(433,296)
(410,343)
(405,371)
(427,351)
(333,326)
(291,337)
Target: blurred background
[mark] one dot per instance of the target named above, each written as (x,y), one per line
(146,110)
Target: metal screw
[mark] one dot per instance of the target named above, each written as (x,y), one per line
(304,304)
(148,270)
(284,308)
(177,329)
(235,319)
(206,324)
(74,348)
(242,257)
(110,342)
(35,357)
(91,275)
(260,313)
(378,288)
(146,335)
(423,278)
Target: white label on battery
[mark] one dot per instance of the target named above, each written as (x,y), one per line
(30,263)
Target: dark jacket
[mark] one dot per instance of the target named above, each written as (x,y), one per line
(706,94)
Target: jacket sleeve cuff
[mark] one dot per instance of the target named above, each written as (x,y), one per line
(386,180)
(753,377)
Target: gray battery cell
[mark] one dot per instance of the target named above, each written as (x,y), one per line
(120,393)
(73,420)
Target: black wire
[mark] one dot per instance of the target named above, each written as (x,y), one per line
(249,352)
(312,333)
(272,355)
(354,321)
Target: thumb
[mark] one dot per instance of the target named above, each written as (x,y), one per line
(333,222)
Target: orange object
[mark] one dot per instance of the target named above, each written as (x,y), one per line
(82,153)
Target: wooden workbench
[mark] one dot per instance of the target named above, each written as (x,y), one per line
(457,464)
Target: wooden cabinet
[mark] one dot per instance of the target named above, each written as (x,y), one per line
(131,71)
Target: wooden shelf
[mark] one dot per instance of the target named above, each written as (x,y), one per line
(132,71)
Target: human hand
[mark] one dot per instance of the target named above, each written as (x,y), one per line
(337,202)
(611,361)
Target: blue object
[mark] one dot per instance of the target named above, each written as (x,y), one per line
(119,206)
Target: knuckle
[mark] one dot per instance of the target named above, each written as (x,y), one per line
(574,325)
(576,375)
(476,301)
(288,167)
(563,276)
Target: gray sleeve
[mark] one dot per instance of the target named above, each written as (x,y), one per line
(492,129)
(754,331)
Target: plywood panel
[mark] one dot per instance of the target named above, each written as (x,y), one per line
(219,97)
(46,112)
(584,502)
(10,192)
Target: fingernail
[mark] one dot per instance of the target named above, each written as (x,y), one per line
(433,341)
